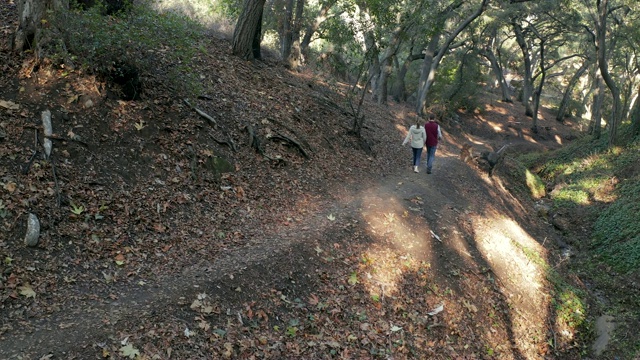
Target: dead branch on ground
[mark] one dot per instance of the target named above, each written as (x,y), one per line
(302,139)
(290,141)
(213,123)
(256,143)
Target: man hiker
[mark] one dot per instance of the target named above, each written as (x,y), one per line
(433,135)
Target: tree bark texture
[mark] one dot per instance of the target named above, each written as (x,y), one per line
(286,35)
(499,74)
(538,92)
(425,72)
(635,117)
(386,64)
(399,91)
(372,55)
(489,53)
(595,127)
(248,31)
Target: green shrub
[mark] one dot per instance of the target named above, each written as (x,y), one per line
(617,231)
(138,38)
(583,169)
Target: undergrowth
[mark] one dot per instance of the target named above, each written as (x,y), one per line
(137,37)
(604,184)
(568,303)
(601,180)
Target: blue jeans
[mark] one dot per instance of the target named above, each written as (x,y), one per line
(431,155)
(417,153)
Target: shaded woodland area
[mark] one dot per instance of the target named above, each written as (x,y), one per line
(226,180)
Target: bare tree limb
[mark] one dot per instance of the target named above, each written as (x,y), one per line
(201,113)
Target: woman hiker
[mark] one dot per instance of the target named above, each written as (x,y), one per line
(417,136)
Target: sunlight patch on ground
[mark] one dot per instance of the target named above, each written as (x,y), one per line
(456,241)
(503,243)
(400,246)
(401,129)
(496,109)
(558,139)
(198,10)
(495,126)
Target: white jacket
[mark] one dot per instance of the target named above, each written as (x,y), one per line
(417,136)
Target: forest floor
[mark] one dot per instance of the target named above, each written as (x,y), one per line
(327,245)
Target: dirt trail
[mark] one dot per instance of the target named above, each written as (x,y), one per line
(459,221)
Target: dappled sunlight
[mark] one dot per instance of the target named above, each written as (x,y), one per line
(399,247)
(402,129)
(493,125)
(499,110)
(514,257)
(558,139)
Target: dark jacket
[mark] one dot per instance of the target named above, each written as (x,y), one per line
(433,133)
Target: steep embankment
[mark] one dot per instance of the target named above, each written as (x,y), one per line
(267,231)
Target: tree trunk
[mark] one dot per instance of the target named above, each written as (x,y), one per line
(32,15)
(527,83)
(425,73)
(601,31)
(538,92)
(248,31)
(497,70)
(387,63)
(497,67)
(564,103)
(635,117)
(314,26)
(399,91)
(286,35)
(428,75)
(595,127)
(372,55)
(384,80)
(294,59)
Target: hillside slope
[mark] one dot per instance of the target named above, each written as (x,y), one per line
(267,231)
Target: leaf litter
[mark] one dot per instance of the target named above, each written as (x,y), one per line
(153,232)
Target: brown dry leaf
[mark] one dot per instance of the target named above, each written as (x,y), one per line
(27,291)
(119,259)
(9,105)
(159,227)
(313,299)
(240,192)
(10,187)
(72,99)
